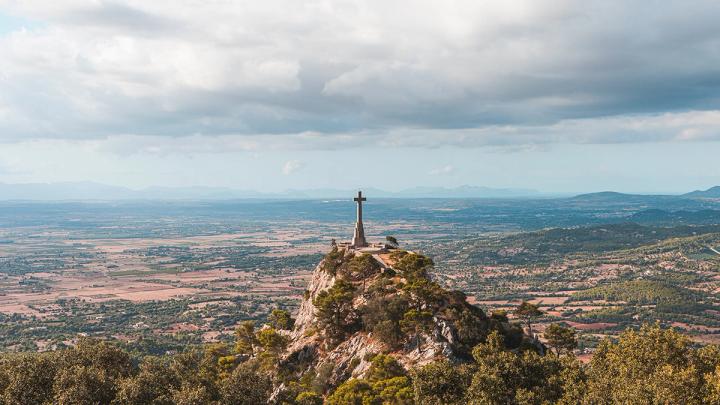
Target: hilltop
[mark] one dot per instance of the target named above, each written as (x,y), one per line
(712,192)
(359,304)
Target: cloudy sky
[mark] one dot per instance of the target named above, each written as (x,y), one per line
(559,96)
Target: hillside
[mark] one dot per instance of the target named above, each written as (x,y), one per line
(712,192)
(359,305)
(665,218)
(638,292)
(551,244)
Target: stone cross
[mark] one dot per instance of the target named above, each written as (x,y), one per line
(358,240)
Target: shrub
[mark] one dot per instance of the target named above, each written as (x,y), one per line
(439,383)
(332,260)
(384,367)
(245,386)
(281,319)
(308,398)
(561,338)
(335,312)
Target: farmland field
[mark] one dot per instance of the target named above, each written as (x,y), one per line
(156,275)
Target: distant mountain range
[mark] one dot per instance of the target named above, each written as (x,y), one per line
(94,191)
(712,192)
(612,196)
(81,191)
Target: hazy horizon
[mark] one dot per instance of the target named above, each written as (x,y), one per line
(92,191)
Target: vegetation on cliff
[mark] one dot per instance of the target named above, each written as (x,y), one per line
(400,305)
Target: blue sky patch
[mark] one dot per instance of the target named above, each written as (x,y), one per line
(10,23)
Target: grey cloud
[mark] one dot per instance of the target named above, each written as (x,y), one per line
(670,127)
(112,15)
(483,75)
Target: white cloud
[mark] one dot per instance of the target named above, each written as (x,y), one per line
(292,166)
(442,171)
(289,73)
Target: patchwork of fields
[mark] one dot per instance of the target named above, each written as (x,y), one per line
(160,276)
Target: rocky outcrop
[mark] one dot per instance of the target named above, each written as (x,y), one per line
(321,280)
(350,357)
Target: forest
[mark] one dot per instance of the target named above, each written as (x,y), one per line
(621,371)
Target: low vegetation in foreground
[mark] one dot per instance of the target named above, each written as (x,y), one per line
(646,366)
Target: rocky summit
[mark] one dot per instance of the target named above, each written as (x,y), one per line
(359,304)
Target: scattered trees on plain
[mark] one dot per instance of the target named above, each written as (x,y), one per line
(527,311)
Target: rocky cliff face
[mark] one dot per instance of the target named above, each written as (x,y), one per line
(392,309)
(321,281)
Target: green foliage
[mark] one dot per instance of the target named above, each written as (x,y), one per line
(499,315)
(352,392)
(384,367)
(192,395)
(415,323)
(647,366)
(245,340)
(396,316)
(193,375)
(335,312)
(471,325)
(28,378)
(712,395)
(504,376)
(423,293)
(412,265)
(386,383)
(151,385)
(307,388)
(86,374)
(93,353)
(308,398)
(83,385)
(439,383)
(638,292)
(527,312)
(359,267)
(332,261)
(89,373)
(281,319)
(382,314)
(651,365)
(548,245)
(217,360)
(561,338)
(389,332)
(271,340)
(245,386)
(606,314)
(396,390)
